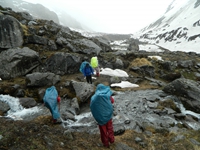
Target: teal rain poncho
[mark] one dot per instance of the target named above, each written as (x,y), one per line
(100,105)
(83,64)
(50,100)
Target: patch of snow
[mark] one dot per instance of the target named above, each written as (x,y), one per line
(116,72)
(124,84)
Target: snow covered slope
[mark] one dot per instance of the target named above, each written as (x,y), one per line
(177,30)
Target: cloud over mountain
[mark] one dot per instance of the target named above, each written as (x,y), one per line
(42,12)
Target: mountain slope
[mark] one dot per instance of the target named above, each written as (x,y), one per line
(36,10)
(43,12)
(178,29)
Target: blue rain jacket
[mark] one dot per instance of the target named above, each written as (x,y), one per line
(100,105)
(50,100)
(88,70)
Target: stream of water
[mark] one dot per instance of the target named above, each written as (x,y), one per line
(17,112)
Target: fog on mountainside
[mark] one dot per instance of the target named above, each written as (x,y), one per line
(42,12)
(72,17)
(36,10)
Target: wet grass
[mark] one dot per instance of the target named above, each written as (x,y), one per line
(42,135)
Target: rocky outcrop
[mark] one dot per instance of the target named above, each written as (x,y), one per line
(188,91)
(63,63)
(83,90)
(11,32)
(4,107)
(145,70)
(17,62)
(103,43)
(133,45)
(38,79)
(27,102)
(85,46)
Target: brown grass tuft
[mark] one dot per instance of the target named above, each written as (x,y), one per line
(140,62)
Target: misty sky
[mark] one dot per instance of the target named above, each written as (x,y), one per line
(111,16)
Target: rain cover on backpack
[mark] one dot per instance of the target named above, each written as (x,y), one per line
(101,106)
(94,62)
(83,66)
(50,100)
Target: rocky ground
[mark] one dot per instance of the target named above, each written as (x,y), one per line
(49,38)
(41,134)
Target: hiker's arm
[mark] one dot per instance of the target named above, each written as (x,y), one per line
(58,100)
(112,99)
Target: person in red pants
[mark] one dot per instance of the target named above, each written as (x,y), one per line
(102,110)
(52,102)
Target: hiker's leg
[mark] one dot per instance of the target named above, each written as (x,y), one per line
(88,79)
(97,72)
(104,136)
(110,131)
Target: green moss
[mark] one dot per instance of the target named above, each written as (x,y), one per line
(189,75)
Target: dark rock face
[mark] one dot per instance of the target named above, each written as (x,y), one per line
(4,107)
(83,90)
(11,32)
(63,63)
(17,62)
(38,79)
(36,40)
(188,92)
(86,47)
(28,102)
(145,70)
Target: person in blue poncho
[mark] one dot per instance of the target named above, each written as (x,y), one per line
(87,71)
(52,102)
(102,110)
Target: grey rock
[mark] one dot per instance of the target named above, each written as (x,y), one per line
(12,60)
(42,79)
(11,32)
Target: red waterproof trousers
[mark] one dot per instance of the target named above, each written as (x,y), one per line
(107,133)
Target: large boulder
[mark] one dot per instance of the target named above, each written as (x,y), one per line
(83,90)
(85,46)
(103,43)
(63,63)
(42,79)
(11,32)
(188,91)
(4,107)
(27,102)
(133,45)
(17,62)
